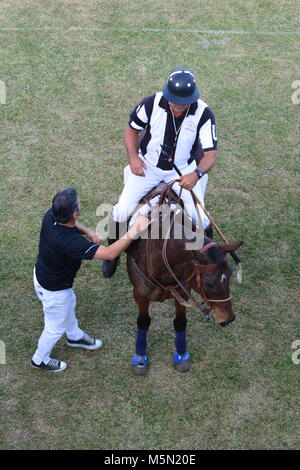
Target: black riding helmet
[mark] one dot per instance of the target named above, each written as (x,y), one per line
(181,87)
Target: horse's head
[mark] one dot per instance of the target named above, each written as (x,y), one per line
(213,272)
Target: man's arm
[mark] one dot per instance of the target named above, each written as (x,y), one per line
(88,232)
(131,143)
(114,250)
(206,163)
(209,141)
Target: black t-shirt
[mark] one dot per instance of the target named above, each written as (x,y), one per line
(61,250)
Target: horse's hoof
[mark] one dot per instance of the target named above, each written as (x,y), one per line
(140,364)
(182,362)
(183,367)
(141,369)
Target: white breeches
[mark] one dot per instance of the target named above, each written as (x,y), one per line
(135,187)
(60,318)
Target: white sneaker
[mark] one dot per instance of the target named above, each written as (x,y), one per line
(86,342)
(54,365)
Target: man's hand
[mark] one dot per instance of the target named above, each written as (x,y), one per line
(139,226)
(188,181)
(89,233)
(94,237)
(137,166)
(114,250)
(141,223)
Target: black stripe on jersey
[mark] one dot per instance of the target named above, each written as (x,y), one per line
(137,121)
(208,114)
(169,140)
(146,139)
(170,134)
(197,150)
(148,103)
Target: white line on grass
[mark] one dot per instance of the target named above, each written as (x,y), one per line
(147,30)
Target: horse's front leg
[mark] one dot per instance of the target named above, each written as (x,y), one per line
(140,362)
(181,356)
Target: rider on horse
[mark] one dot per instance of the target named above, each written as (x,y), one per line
(176,125)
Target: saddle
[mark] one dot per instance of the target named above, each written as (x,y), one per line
(163,193)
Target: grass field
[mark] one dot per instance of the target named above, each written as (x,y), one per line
(73,70)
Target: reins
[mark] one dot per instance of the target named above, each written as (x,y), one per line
(166,196)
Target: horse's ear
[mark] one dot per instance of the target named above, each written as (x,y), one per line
(231,246)
(207,247)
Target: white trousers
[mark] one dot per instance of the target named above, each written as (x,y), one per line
(135,187)
(60,318)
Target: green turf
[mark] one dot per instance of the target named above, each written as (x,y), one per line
(69,94)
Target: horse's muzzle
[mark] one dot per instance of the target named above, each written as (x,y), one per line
(225,323)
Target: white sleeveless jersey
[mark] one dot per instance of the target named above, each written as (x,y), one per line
(197,127)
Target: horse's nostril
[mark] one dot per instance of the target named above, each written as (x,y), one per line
(225,323)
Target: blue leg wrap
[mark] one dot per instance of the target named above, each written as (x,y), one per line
(179,358)
(139,360)
(181,354)
(141,342)
(180,341)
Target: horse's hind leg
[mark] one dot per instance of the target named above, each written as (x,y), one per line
(181,356)
(140,362)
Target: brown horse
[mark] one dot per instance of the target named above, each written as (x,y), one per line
(161,269)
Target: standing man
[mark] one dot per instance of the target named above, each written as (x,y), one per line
(176,124)
(61,249)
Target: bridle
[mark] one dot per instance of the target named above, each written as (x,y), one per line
(191,300)
(200,283)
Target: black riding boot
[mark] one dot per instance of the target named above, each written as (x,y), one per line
(109,266)
(208,232)
(115,231)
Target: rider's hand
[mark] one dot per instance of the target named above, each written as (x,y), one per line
(189,181)
(137,166)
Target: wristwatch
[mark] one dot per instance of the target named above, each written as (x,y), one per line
(199,173)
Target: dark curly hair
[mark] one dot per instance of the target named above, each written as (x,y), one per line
(64,204)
